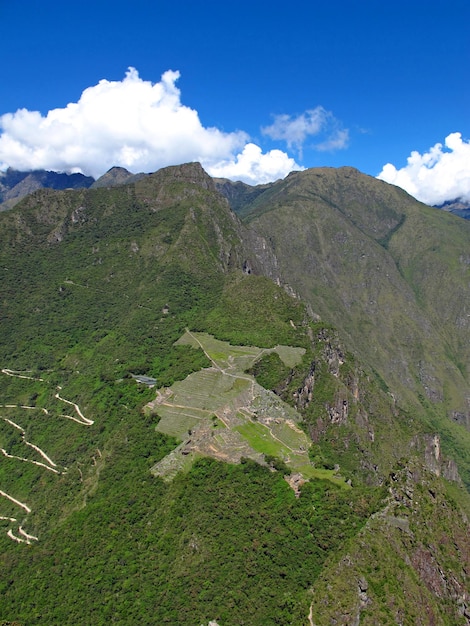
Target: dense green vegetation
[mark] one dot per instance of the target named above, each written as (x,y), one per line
(177,363)
(224,542)
(269,371)
(99,285)
(253,311)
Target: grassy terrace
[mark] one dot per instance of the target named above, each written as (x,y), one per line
(222,412)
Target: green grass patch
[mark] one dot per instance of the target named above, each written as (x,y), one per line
(260,439)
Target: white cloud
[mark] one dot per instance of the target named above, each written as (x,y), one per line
(314,122)
(254,167)
(134,124)
(436,176)
(338,140)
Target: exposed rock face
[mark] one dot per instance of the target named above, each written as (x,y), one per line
(430,445)
(461,418)
(192,173)
(338,412)
(238,193)
(364,599)
(262,259)
(303,396)
(333,356)
(295,481)
(415,548)
(332,352)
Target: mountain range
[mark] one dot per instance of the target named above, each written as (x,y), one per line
(15,184)
(233,404)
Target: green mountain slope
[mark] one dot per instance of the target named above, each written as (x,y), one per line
(289,461)
(390,273)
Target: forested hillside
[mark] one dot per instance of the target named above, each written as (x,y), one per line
(248,416)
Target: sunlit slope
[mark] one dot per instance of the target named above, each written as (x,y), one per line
(159,281)
(97,286)
(111,269)
(389,272)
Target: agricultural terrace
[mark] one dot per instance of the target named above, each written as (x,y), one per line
(221,411)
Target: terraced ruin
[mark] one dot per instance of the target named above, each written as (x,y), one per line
(222,412)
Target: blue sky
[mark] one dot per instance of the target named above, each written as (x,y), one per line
(251,89)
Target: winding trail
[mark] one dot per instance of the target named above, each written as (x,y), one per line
(15,501)
(48,464)
(26,535)
(14,537)
(21,458)
(28,443)
(23,406)
(18,374)
(27,538)
(43,454)
(310,615)
(215,364)
(84,420)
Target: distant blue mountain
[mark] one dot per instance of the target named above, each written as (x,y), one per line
(15,184)
(457,207)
